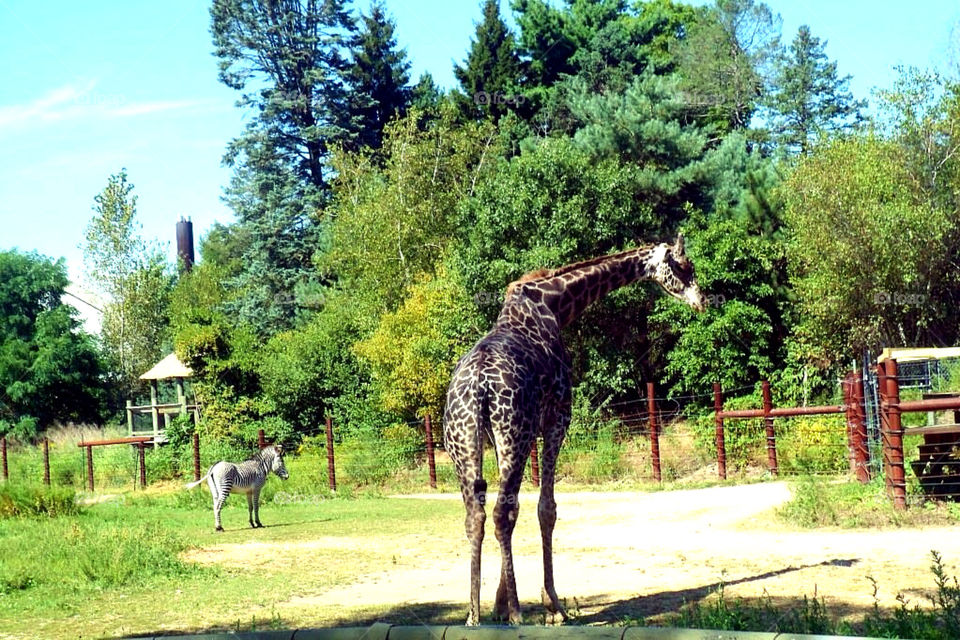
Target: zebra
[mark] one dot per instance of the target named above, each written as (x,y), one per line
(246,477)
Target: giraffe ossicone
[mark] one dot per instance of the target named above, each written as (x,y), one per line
(515,384)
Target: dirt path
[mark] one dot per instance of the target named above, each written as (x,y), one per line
(635,555)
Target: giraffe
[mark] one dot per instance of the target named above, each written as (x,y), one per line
(515,383)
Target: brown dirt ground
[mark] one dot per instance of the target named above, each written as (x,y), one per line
(637,555)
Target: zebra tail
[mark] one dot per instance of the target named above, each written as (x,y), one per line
(198,482)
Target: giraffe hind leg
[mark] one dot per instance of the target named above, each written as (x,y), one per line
(474,497)
(507,605)
(547,513)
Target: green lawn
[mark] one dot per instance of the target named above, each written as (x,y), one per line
(124,566)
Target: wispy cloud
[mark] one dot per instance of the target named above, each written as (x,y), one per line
(80,101)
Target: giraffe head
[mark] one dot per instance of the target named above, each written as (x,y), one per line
(674,272)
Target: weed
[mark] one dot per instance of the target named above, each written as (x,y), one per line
(35,500)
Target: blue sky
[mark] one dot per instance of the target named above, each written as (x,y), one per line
(93,87)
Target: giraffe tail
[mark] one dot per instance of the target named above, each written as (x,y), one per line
(483,426)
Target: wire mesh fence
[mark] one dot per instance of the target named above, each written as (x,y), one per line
(613,442)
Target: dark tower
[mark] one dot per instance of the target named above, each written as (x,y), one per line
(185,244)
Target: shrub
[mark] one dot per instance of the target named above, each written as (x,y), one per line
(36,500)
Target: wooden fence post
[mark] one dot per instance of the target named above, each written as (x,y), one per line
(261,439)
(894,440)
(654,432)
(46,462)
(331,469)
(768,427)
(3,454)
(721,446)
(143,465)
(431,460)
(196,455)
(90,468)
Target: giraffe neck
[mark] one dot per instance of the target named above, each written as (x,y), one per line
(569,290)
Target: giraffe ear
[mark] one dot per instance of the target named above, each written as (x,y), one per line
(678,245)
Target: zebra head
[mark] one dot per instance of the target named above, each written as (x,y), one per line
(276,465)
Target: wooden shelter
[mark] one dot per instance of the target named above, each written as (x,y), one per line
(170,368)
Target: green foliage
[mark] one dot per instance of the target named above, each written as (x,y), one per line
(21,500)
(133,276)
(810,617)
(87,552)
(49,368)
(722,59)
(812,445)
(413,350)
(810,99)
(395,222)
(312,372)
(863,251)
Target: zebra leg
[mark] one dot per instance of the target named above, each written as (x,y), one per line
(218,505)
(250,510)
(256,507)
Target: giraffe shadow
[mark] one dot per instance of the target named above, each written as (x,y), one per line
(665,602)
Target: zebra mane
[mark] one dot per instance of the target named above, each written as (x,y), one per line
(265,455)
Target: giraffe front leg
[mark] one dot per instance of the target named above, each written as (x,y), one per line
(256,508)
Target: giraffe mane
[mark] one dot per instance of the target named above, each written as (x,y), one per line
(542,274)
(536,274)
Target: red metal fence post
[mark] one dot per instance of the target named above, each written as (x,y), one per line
(768,427)
(431,460)
(721,447)
(46,462)
(3,454)
(261,439)
(143,466)
(884,424)
(654,431)
(895,437)
(331,469)
(861,449)
(90,468)
(196,456)
(534,463)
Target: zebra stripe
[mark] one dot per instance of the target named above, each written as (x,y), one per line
(246,477)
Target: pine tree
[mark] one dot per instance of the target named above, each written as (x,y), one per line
(378,77)
(426,94)
(491,74)
(808,97)
(290,59)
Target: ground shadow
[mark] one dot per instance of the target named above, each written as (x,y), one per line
(247,527)
(666,602)
(433,613)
